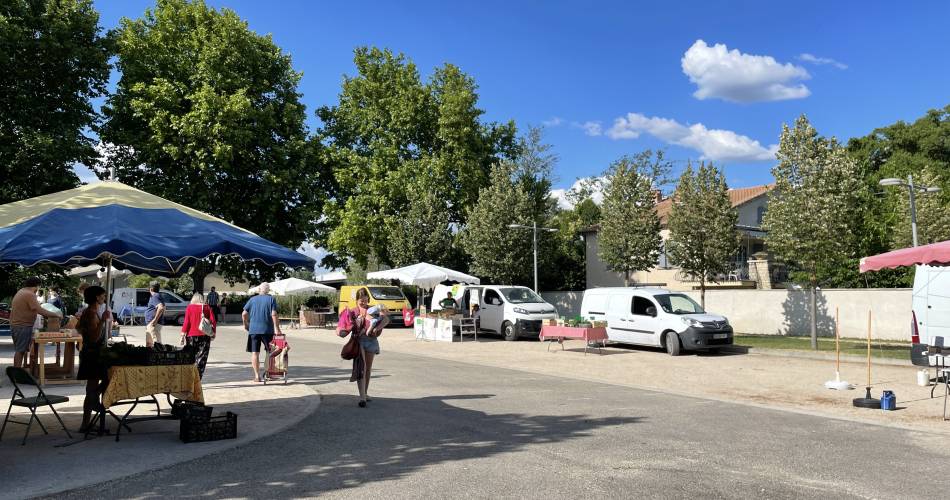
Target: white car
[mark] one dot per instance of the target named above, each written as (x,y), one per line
(511,311)
(656,317)
(138,297)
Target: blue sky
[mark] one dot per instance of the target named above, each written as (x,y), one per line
(712,80)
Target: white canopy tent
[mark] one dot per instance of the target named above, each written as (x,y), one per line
(295,286)
(423,275)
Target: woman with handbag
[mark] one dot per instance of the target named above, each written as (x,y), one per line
(199,330)
(363,345)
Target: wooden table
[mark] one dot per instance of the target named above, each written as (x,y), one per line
(62,369)
(561,333)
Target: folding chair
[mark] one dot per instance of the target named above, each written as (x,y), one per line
(19,376)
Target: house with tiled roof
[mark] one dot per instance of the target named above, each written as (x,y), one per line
(750,203)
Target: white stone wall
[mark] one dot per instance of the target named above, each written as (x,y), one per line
(785,312)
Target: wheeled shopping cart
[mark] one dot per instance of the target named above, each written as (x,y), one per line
(277,359)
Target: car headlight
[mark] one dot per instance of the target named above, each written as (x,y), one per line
(519,310)
(692,322)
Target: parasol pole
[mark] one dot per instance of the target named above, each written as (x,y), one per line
(837,383)
(108,297)
(867,401)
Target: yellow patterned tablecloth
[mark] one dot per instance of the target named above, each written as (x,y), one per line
(130,382)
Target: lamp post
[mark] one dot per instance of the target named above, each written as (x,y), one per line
(913,190)
(534,228)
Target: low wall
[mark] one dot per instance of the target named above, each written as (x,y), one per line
(785,312)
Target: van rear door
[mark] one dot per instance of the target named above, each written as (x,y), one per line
(936,287)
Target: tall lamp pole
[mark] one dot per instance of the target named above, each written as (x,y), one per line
(913,190)
(534,228)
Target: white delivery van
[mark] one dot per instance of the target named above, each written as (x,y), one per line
(930,311)
(656,317)
(511,311)
(131,298)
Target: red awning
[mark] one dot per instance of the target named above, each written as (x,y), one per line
(936,254)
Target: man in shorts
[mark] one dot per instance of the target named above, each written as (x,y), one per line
(260,322)
(23,310)
(154,314)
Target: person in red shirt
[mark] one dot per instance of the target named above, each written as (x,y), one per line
(191,330)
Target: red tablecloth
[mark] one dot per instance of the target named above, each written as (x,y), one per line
(567,332)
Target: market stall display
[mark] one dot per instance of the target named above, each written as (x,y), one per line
(62,370)
(587,334)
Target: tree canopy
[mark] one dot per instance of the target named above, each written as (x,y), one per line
(207,113)
(54,62)
(388,128)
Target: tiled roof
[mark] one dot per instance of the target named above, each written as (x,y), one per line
(738,197)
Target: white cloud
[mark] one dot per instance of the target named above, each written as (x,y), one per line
(714,144)
(591,128)
(565,203)
(553,122)
(820,61)
(733,76)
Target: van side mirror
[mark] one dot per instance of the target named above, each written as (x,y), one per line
(651,311)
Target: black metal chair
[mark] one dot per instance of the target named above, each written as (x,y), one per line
(19,377)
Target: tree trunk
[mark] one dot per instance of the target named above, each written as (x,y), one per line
(626,278)
(702,293)
(814,313)
(198,274)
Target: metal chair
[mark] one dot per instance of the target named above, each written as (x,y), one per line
(19,376)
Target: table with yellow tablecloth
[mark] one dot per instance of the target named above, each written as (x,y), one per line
(131,382)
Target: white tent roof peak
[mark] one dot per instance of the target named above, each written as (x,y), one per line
(295,286)
(423,275)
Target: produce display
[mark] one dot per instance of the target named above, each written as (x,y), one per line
(124,354)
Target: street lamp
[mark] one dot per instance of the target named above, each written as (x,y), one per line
(534,228)
(913,190)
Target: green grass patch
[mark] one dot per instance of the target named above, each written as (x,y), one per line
(854,347)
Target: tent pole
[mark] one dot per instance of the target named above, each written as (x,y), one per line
(108,298)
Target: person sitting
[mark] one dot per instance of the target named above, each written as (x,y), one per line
(476,315)
(448,302)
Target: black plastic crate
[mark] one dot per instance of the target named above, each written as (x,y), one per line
(193,411)
(215,428)
(162,358)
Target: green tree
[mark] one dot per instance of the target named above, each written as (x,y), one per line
(702,223)
(933,214)
(498,252)
(423,232)
(387,129)
(810,217)
(207,114)
(54,61)
(629,237)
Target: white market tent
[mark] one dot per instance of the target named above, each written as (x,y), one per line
(295,286)
(423,275)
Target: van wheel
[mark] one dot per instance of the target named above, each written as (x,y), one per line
(672,341)
(508,331)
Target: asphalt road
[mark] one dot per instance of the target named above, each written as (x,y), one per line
(438,429)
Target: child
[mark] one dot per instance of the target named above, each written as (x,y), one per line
(376,315)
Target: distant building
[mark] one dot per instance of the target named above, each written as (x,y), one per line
(336,279)
(751,204)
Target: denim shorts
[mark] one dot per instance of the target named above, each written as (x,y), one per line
(256,340)
(369,344)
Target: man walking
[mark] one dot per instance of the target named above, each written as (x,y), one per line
(154,314)
(212,301)
(23,310)
(260,323)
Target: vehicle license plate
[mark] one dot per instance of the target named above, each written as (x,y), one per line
(720,335)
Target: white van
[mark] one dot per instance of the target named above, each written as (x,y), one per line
(930,310)
(512,311)
(656,317)
(138,297)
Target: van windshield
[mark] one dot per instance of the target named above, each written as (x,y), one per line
(677,303)
(386,292)
(521,296)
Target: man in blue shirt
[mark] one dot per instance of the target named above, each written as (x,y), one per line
(260,322)
(153,316)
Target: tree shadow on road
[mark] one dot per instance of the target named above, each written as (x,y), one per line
(342,446)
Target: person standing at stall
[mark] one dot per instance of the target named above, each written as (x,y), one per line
(193,335)
(213,303)
(260,322)
(24,309)
(154,314)
(92,328)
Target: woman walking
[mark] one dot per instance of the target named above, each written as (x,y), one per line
(192,333)
(360,324)
(92,328)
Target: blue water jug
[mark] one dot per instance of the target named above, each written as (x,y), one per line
(888,401)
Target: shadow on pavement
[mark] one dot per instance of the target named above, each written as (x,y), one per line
(343,446)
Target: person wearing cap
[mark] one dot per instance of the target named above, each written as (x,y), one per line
(23,310)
